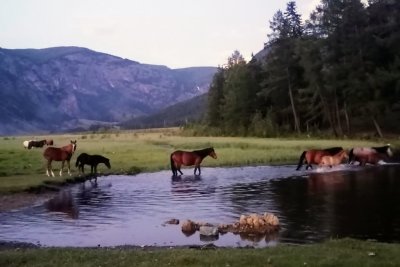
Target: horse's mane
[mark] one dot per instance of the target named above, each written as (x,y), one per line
(381,149)
(334,150)
(203,152)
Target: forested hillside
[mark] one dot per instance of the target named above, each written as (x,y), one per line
(337,72)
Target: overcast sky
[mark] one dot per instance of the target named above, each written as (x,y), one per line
(175,33)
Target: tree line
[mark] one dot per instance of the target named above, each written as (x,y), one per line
(337,72)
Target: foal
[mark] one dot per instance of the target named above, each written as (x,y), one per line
(334,160)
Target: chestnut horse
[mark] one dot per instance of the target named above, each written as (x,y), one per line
(186,158)
(59,154)
(370,155)
(314,156)
(334,160)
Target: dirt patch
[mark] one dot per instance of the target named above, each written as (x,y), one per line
(18,200)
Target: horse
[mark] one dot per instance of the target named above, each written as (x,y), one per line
(49,142)
(186,158)
(334,160)
(92,160)
(59,154)
(34,143)
(314,156)
(26,144)
(370,155)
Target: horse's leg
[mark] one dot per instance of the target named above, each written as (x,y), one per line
(69,167)
(48,168)
(62,167)
(178,168)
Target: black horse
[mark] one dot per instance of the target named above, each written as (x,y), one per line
(92,160)
(34,143)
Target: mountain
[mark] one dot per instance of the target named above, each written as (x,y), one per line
(63,88)
(176,115)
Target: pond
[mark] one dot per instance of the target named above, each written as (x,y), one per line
(312,206)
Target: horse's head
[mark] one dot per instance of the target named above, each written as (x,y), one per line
(345,154)
(73,143)
(107,163)
(212,153)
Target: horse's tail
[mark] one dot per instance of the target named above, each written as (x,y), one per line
(351,156)
(173,168)
(301,160)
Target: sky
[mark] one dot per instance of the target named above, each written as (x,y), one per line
(175,33)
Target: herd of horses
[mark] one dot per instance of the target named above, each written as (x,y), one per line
(333,156)
(328,157)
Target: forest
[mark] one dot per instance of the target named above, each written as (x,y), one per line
(336,73)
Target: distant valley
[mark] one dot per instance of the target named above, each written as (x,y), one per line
(65,88)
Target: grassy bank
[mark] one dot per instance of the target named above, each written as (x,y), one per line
(345,252)
(148,150)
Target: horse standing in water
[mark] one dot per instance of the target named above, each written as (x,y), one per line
(59,154)
(334,160)
(92,160)
(186,158)
(314,156)
(370,155)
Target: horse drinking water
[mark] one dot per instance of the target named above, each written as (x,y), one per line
(334,160)
(59,154)
(186,158)
(92,160)
(314,156)
(370,155)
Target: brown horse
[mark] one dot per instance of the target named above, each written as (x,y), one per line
(49,142)
(59,154)
(186,158)
(314,156)
(334,160)
(370,155)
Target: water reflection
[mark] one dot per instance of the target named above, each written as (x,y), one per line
(64,202)
(311,206)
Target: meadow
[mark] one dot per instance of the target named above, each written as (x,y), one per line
(131,152)
(147,151)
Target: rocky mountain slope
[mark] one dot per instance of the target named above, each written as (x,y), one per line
(62,88)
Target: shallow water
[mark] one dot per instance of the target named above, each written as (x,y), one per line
(131,210)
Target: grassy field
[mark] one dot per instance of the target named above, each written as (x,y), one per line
(149,150)
(345,252)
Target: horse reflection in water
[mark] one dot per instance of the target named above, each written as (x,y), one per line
(65,203)
(186,158)
(327,182)
(190,185)
(371,155)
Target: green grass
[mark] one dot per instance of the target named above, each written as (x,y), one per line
(149,150)
(345,252)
